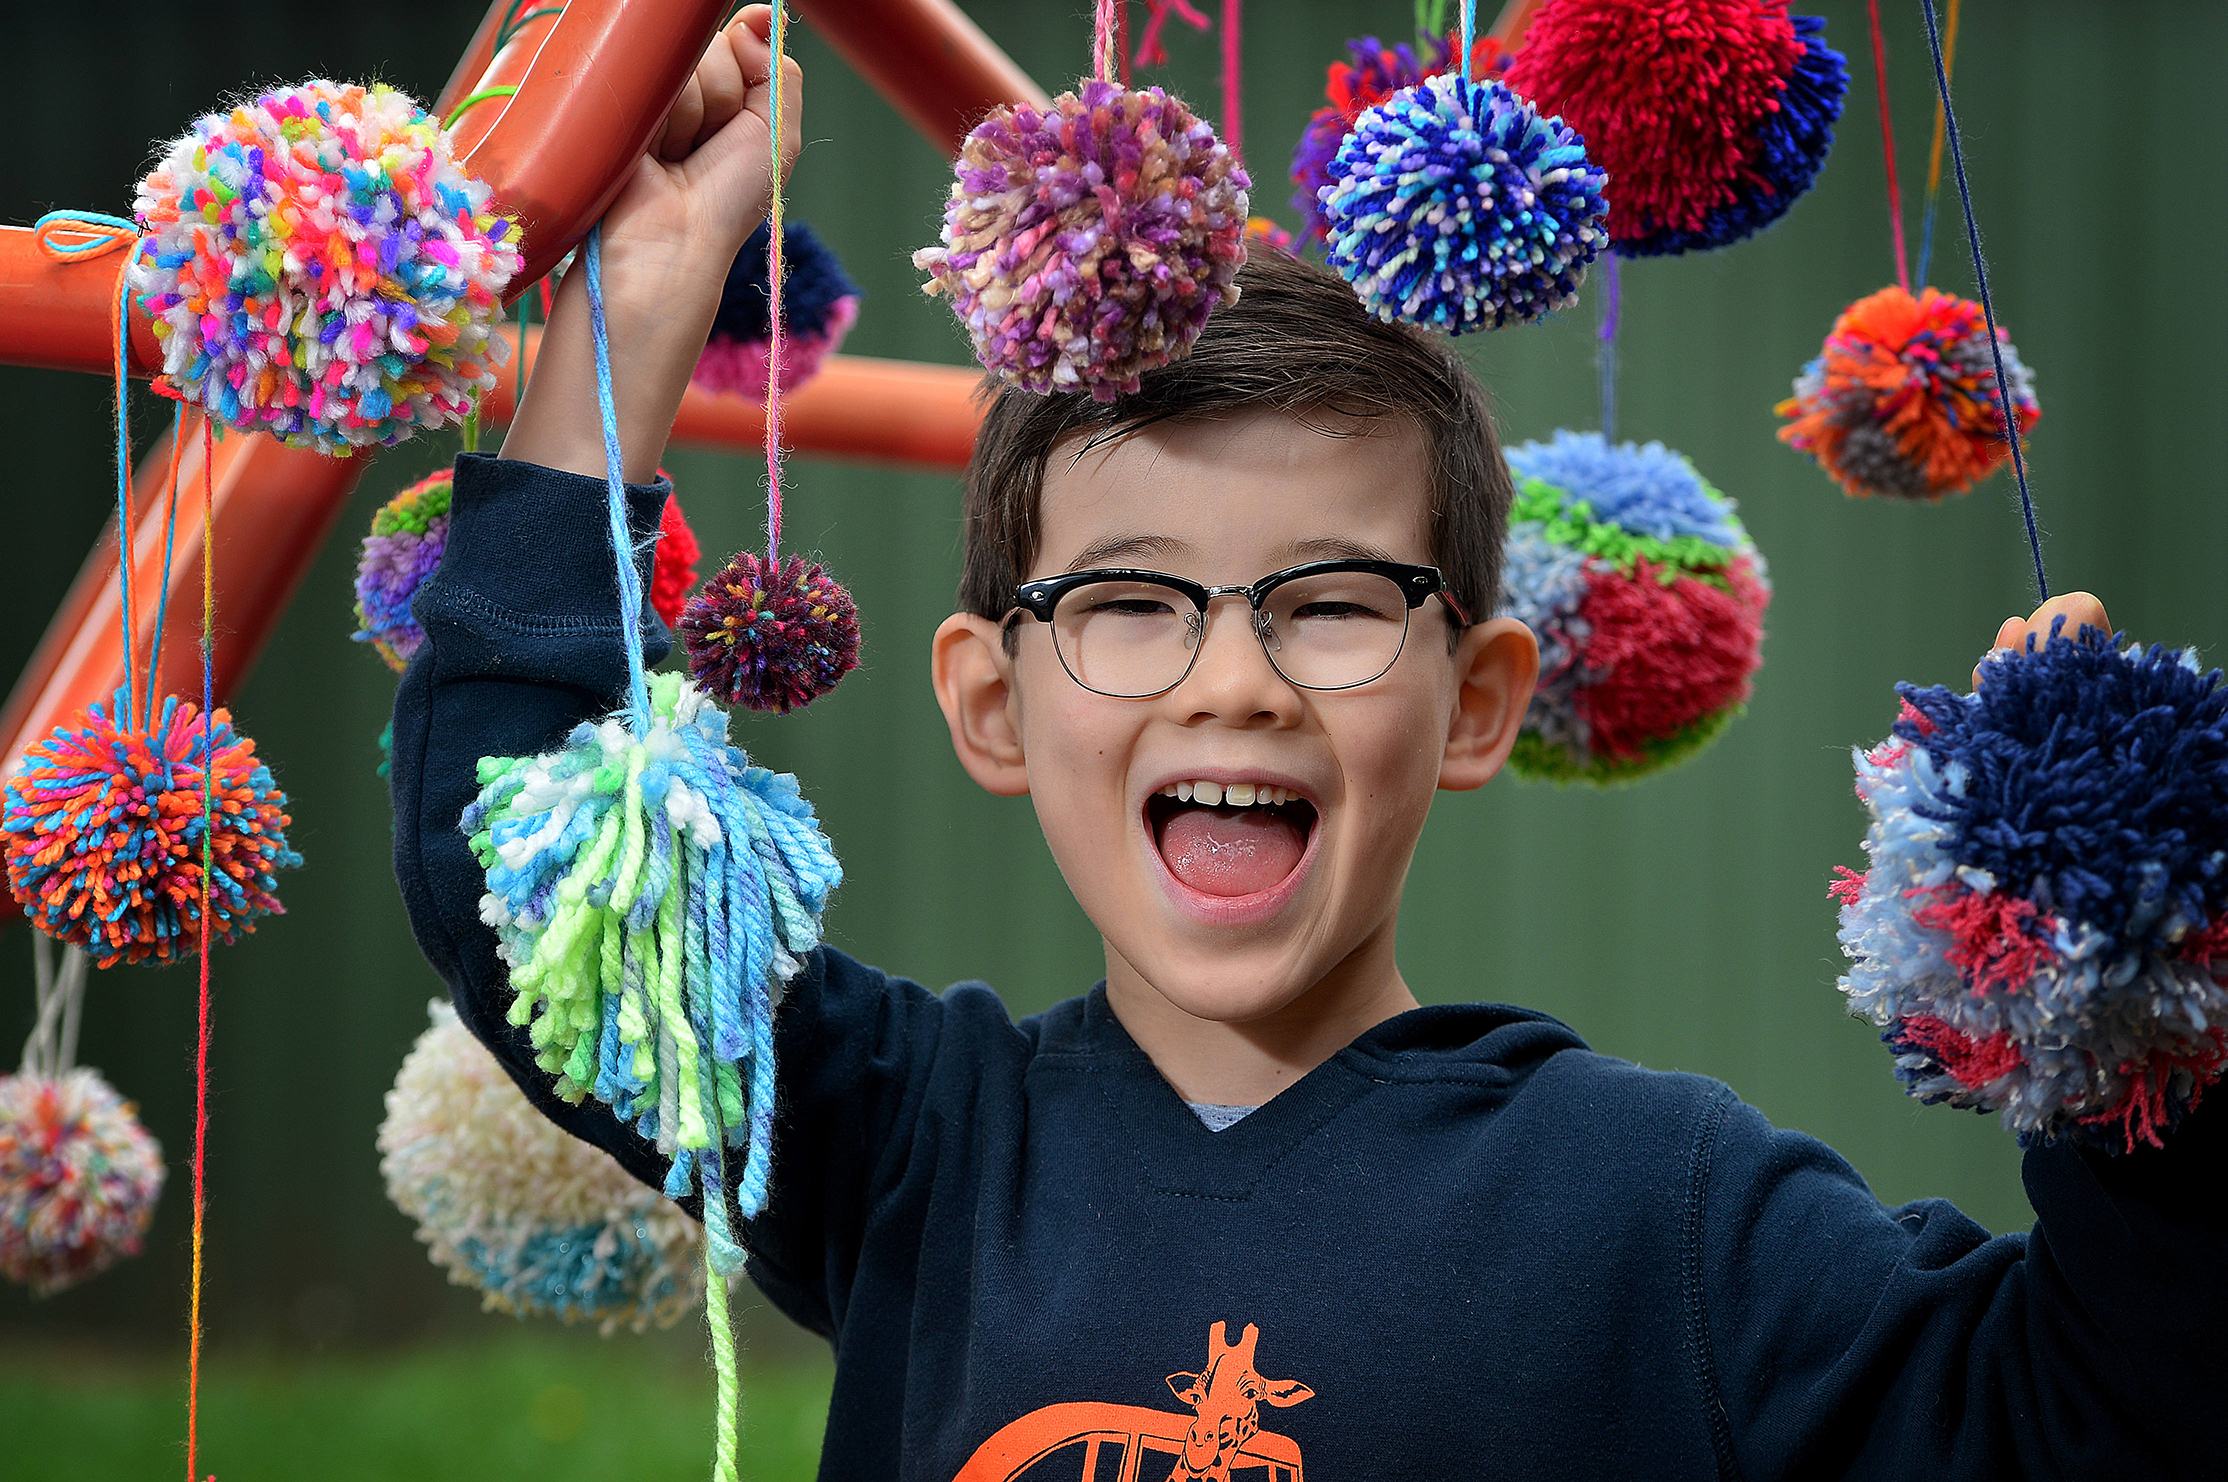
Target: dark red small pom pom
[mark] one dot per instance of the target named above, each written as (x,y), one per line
(771,636)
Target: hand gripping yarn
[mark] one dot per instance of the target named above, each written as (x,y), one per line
(78,1179)
(1902,402)
(1087,245)
(1455,205)
(1711,116)
(819,304)
(541,1223)
(649,888)
(104,830)
(411,530)
(1648,601)
(320,267)
(770,635)
(2043,928)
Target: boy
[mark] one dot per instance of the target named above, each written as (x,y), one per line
(1230,634)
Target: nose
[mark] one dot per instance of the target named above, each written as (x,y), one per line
(1233,681)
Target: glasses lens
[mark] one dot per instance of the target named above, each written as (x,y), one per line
(1125,638)
(1336,629)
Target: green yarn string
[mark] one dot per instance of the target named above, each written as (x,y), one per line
(723,1363)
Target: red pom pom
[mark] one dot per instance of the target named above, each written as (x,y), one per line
(1667,97)
(771,636)
(1667,655)
(675,570)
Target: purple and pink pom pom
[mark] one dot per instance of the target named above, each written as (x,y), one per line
(1085,246)
(320,267)
(770,635)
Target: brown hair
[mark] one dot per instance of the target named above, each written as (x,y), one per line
(1296,341)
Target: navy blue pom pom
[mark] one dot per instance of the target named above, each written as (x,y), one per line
(2044,927)
(812,284)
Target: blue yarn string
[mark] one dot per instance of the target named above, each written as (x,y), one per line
(1469,29)
(1926,242)
(1606,353)
(622,543)
(1987,309)
(123,480)
(169,539)
(93,245)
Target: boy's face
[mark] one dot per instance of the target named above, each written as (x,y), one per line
(1234,914)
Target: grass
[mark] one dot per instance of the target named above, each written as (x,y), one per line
(541,1406)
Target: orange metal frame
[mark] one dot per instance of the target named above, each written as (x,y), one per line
(593,84)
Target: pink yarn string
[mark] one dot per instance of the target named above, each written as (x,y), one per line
(1150,50)
(1102,41)
(1233,106)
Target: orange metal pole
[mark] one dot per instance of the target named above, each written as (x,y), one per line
(1513,21)
(898,412)
(935,66)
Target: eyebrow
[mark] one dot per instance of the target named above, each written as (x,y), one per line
(1116,548)
(1340,548)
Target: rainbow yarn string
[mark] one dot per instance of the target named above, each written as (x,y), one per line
(819,304)
(1647,598)
(319,267)
(649,888)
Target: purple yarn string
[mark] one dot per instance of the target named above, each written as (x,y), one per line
(1606,353)
(1987,309)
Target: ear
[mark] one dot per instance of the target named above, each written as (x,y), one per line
(1497,663)
(974,685)
(1283,1392)
(1185,1387)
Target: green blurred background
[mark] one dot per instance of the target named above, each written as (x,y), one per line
(1682,923)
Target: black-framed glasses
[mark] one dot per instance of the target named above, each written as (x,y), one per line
(1327,625)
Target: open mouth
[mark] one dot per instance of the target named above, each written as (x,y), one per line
(1234,840)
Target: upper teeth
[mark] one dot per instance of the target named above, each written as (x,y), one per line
(1236,794)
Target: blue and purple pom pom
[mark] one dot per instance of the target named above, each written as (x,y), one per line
(2044,926)
(1455,205)
(819,304)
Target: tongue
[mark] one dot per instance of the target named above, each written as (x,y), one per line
(1230,851)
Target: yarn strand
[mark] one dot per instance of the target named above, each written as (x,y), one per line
(1887,143)
(1469,32)
(169,540)
(1102,44)
(1233,95)
(120,326)
(1934,154)
(777,45)
(1987,307)
(622,544)
(1606,350)
(208,913)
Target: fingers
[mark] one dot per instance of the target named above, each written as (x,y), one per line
(733,66)
(2077,610)
(678,137)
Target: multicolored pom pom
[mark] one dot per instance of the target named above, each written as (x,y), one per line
(78,1179)
(2043,930)
(1455,205)
(1902,403)
(411,530)
(507,1202)
(407,537)
(1648,601)
(649,891)
(1085,246)
(319,267)
(819,304)
(770,635)
(1710,116)
(105,827)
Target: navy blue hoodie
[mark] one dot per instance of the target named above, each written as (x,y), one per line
(1464,1245)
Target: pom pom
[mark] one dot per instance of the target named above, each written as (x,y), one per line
(2044,924)
(819,304)
(319,267)
(105,827)
(1647,598)
(1374,76)
(1455,205)
(505,1201)
(648,891)
(1085,246)
(78,1179)
(1902,402)
(771,636)
(673,573)
(404,548)
(407,537)
(1710,116)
